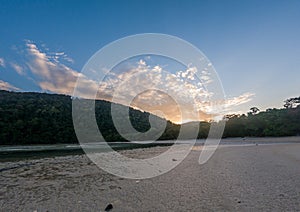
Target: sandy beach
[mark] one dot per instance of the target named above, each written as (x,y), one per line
(237,178)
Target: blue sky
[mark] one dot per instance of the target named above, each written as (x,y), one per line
(253,45)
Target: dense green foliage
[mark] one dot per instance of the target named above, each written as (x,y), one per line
(272,122)
(34,118)
(39,118)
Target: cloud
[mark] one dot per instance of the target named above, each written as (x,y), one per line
(189,73)
(17,68)
(60,56)
(168,93)
(242,99)
(142,63)
(8,87)
(180,96)
(2,62)
(51,75)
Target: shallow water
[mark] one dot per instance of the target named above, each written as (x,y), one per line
(20,152)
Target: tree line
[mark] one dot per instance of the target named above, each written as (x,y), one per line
(40,118)
(272,122)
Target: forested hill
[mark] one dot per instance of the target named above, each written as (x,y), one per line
(272,122)
(40,118)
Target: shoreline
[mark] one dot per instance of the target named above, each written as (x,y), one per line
(20,152)
(236,178)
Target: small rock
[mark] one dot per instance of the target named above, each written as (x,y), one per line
(108,207)
(174,159)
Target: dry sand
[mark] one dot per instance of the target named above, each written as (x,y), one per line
(236,178)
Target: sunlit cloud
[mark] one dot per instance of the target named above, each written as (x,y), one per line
(8,87)
(53,76)
(219,108)
(191,93)
(180,96)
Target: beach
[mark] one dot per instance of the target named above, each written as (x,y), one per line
(252,177)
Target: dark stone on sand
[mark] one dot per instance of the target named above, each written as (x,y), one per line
(108,207)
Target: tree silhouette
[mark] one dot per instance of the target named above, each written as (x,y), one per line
(254,110)
(292,102)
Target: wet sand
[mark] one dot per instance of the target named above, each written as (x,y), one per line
(237,178)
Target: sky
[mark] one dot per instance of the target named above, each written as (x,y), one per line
(254,46)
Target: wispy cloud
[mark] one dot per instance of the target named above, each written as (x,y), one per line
(17,68)
(60,56)
(242,99)
(2,62)
(8,87)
